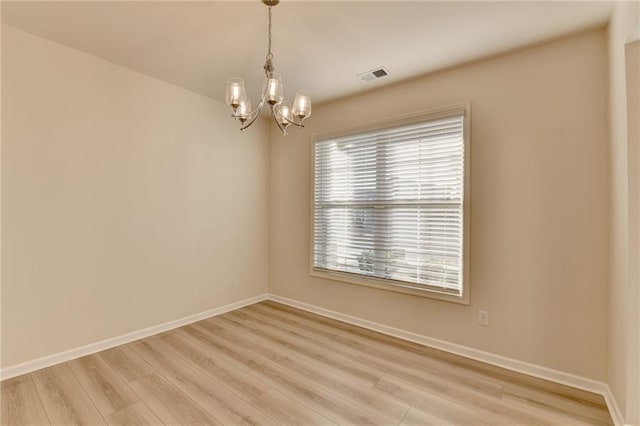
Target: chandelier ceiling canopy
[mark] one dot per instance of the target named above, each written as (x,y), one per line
(284,113)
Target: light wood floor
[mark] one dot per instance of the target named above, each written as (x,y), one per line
(272,364)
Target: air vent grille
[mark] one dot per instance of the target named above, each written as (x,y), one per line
(373,74)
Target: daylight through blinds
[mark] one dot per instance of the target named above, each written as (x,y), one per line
(389,204)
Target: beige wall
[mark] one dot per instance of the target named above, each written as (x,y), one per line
(538,207)
(127,201)
(623,27)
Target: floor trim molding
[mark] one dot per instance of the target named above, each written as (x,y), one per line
(60,357)
(489,358)
(614,409)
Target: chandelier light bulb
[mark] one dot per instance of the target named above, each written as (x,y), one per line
(235,92)
(273,89)
(302,105)
(283,113)
(285,117)
(244,110)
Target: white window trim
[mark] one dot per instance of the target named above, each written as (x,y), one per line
(391,285)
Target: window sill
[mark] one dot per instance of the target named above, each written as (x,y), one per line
(389,285)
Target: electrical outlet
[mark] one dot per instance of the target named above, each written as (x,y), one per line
(483,318)
(232,281)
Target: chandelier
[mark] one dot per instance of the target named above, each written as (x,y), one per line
(283,113)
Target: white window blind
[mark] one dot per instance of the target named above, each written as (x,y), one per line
(388,204)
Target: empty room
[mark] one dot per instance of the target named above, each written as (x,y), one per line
(292,212)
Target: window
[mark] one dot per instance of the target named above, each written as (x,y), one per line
(390,206)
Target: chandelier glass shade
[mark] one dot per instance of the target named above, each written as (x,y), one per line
(285,114)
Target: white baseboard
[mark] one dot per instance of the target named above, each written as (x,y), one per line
(614,409)
(47,361)
(489,358)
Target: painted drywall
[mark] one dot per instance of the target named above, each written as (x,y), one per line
(539,215)
(623,27)
(127,201)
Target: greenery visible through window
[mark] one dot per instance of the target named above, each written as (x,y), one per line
(389,204)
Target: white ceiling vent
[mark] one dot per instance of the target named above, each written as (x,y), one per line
(374,74)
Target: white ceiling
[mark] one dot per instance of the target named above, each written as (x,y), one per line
(319,46)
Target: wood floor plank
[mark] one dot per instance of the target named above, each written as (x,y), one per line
(21,404)
(441,408)
(137,414)
(290,329)
(126,364)
(284,321)
(467,365)
(105,388)
(210,394)
(490,408)
(363,333)
(346,339)
(198,342)
(63,398)
(24,378)
(445,381)
(382,405)
(288,411)
(303,348)
(557,417)
(378,364)
(552,402)
(331,357)
(417,417)
(191,350)
(327,403)
(169,404)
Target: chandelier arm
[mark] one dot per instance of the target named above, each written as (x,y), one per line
(253,115)
(277,114)
(249,122)
(282,128)
(292,122)
(255,111)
